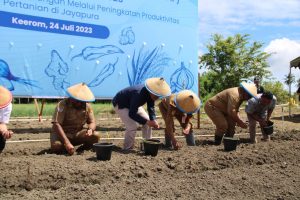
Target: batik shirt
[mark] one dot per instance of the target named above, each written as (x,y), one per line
(255,107)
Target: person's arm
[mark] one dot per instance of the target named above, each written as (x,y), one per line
(4,119)
(169,123)
(232,110)
(91,122)
(61,134)
(186,123)
(5,132)
(152,116)
(57,120)
(133,110)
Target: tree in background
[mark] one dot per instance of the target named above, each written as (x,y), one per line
(229,61)
(277,88)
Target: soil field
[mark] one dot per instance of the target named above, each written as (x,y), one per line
(266,170)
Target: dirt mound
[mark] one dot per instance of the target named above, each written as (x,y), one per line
(266,170)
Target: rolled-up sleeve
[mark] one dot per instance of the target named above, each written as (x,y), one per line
(59,113)
(251,106)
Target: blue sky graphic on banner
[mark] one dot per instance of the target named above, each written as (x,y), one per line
(49,45)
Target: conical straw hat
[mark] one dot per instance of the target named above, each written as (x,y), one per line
(158,87)
(250,88)
(5,97)
(187,101)
(81,92)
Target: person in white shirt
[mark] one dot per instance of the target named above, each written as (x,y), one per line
(260,110)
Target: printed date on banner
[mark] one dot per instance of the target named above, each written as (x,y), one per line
(28,22)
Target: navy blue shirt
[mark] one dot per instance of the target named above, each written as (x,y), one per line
(132,98)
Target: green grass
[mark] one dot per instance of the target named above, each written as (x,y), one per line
(29,110)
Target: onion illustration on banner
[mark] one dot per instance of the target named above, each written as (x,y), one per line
(91,53)
(7,77)
(127,36)
(58,69)
(181,79)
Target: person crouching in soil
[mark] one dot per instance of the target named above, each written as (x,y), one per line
(260,110)
(5,111)
(181,106)
(73,121)
(128,104)
(223,109)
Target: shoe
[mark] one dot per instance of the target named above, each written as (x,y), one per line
(218,140)
(265,139)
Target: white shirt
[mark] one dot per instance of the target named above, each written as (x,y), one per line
(5,114)
(255,107)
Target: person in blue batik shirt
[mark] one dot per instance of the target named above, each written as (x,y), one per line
(260,110)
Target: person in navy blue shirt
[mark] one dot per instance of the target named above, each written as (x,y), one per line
(128,104)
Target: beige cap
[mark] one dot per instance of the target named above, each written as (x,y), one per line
(81,92)
(250,88)
(5,97)
(187,101)
(158,87)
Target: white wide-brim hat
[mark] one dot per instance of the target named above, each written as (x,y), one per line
(158,86)
(81,92)
(187,101)
(5,97)
(250,88)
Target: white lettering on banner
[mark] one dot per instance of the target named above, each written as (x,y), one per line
(15,20)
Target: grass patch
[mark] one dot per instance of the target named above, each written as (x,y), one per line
(29,110)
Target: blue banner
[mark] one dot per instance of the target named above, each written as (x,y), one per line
(49,45)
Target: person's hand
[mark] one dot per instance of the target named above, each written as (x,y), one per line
(7,134)
(153,123)
(187,129)
(176,145)
(89,132)
(70,148)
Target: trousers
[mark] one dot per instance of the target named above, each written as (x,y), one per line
(131,126)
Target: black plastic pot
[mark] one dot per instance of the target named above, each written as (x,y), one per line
(230,143)
(103,150)
(2,143)
(151,147)
(268,130)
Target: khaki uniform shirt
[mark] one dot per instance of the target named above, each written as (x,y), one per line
(71,119)
(169,110)
(228,101)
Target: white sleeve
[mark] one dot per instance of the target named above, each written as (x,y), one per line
(5,114)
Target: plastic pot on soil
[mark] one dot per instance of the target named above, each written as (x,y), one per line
(151,146)
(103,150)
(230,143)
(268,130)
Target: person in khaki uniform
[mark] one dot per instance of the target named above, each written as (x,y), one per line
(5,111)
(73,121)
(223,109)
(181,106)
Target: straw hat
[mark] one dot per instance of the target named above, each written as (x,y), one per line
(5,97)
(187,101)
(81,92)
(158,87)
(250,88)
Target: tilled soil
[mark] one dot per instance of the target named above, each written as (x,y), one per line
(266,170)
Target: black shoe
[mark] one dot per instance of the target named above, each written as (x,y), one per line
(218,140)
